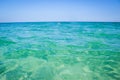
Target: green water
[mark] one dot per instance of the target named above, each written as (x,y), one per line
(60,51)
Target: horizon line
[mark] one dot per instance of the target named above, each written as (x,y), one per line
(53,21)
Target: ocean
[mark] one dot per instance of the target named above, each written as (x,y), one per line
(60,51)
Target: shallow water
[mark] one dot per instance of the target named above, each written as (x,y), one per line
(60,51)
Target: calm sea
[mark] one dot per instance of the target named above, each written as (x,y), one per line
(60,51)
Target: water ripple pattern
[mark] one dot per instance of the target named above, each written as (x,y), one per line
(60,51)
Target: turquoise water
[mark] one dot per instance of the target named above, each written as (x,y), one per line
(60,51)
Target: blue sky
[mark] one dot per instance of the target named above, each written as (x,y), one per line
(59,10)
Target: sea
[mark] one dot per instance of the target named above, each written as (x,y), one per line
(60,51)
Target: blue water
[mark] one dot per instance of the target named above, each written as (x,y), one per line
(60,51)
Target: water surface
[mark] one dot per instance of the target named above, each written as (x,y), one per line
(60,51)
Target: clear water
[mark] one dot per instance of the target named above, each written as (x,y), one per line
(60,51)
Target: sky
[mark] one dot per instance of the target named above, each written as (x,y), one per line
(59,10)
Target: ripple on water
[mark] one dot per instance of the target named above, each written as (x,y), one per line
(64,51)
